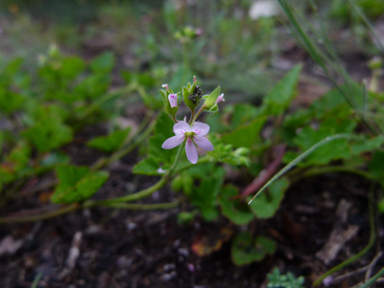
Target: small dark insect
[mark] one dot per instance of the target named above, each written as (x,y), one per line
(196,95)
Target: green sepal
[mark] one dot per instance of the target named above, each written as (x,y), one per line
(210,100)
(167,106)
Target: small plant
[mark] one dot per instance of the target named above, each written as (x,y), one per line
(278,280)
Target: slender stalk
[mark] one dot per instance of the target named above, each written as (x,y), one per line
(131,197)
(198,113)
(32,218)
(192,116)
(373,279)
(362,252)
(134,206)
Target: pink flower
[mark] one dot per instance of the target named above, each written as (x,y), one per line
(165,86)
(220,98)
(172,100)
(191,136)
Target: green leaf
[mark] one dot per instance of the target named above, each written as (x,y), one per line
(338,149)
(77,184)
(72,66)
(183,182)
(246,250)
(92,86)
(204,197)
(111,142)
(376,165)
(367,145)
(103,63)
(48,134)
(245,136)
(267,203)
(16,164)
(236,210)
(163,131)
(282,94)
(331,103)
(10,101)
(225,154)
(148,166)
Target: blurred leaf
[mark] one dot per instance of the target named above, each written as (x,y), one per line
(48,134)
(16,164)
(225,154)
(183,182)
(367,145)
(246,250)
(111,142)
(338,149)
(10,101)
(331,103)
(282,94)
(77,184)
(236,210)
(104,63)
(148,166)
(72,66)
(266,204)
(376,165)
(245,136)
(92,86)
(204,197)
(163,131)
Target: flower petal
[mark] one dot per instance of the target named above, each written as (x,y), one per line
(190,150)
(172,100)
(200,129)
(203,143)
(173,142)
(181,127)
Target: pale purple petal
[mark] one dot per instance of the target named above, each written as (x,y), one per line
(200,129)
(190,150)
(181,127)
(220,98)
(173,142)
(172,100)
(203,143)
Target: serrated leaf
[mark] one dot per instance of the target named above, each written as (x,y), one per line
(111,142)
(77,184)
(246,250)
(246,135)
(48,134)
(282,94)
(237,211)
(103,63)
(266,204)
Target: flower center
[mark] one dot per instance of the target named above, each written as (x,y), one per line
(189,134)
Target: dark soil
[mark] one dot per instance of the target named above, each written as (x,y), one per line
(120,248)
